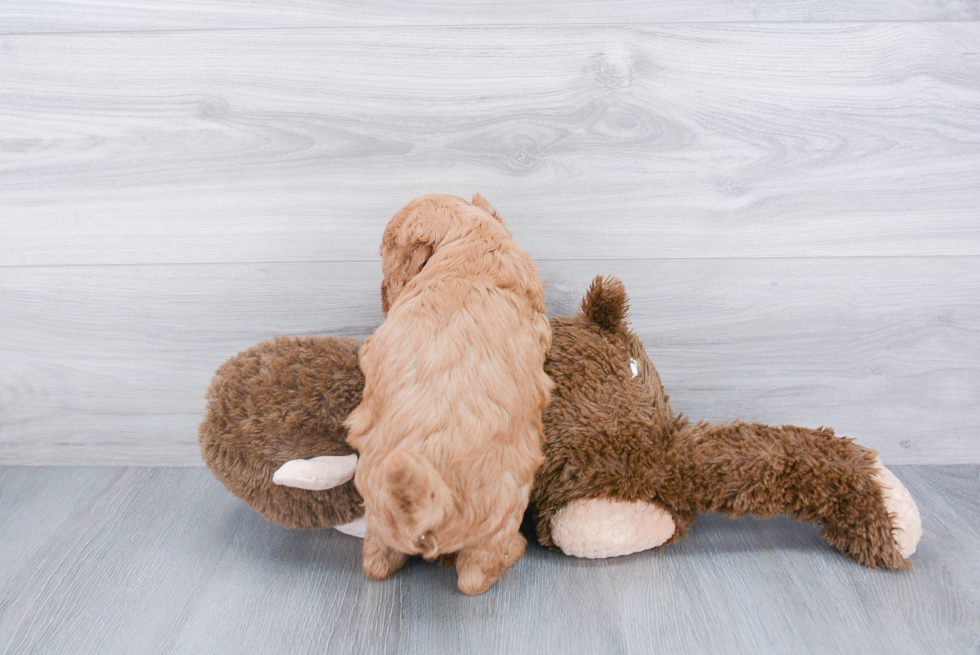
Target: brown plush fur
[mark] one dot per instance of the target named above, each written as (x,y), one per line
(607,435)
(449,430)
(281,400)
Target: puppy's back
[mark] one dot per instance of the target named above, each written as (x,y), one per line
(454,377)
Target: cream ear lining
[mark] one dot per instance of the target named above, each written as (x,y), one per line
(316,474)
(355,528)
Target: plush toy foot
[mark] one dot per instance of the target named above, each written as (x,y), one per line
(906,522)
(479,568)
(598,527)
(355,528)
(316,474)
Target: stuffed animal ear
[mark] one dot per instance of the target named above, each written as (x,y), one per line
(481,202)
(606,303)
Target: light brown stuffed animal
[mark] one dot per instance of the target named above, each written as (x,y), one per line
(622,472)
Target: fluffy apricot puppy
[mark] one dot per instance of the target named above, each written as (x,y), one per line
(449,430)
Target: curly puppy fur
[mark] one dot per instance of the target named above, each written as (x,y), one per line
(449,430)
(608,435)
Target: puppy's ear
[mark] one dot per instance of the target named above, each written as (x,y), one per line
(606,303)
(481,202)
(386,298)
(405,263)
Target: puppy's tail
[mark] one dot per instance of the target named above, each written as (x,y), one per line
(416,498)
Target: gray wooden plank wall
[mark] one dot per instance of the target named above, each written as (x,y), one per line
(46,16)
(791,191)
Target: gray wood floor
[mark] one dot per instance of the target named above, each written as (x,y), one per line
(135,560)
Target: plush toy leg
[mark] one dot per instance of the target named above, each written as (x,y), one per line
(598,527)
(478,568)
(380,561)
(813,476)
(317,473)
(906,522)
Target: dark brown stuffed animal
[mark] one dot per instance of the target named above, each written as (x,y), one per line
(622,473)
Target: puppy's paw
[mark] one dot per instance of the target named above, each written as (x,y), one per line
(478,569)
(515,549)
(473,582)
(906,522)
(377,568)
(380,561)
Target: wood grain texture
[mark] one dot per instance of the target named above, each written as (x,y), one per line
(166,561)
(108,365)
(116,571)
(22,16)
(103,363)
(688,140)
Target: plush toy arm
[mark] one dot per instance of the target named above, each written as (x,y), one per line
(355,528)
(321,473)
(813,476)
(317,473)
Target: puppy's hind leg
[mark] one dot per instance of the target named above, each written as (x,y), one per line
(379,560)
(479,567)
